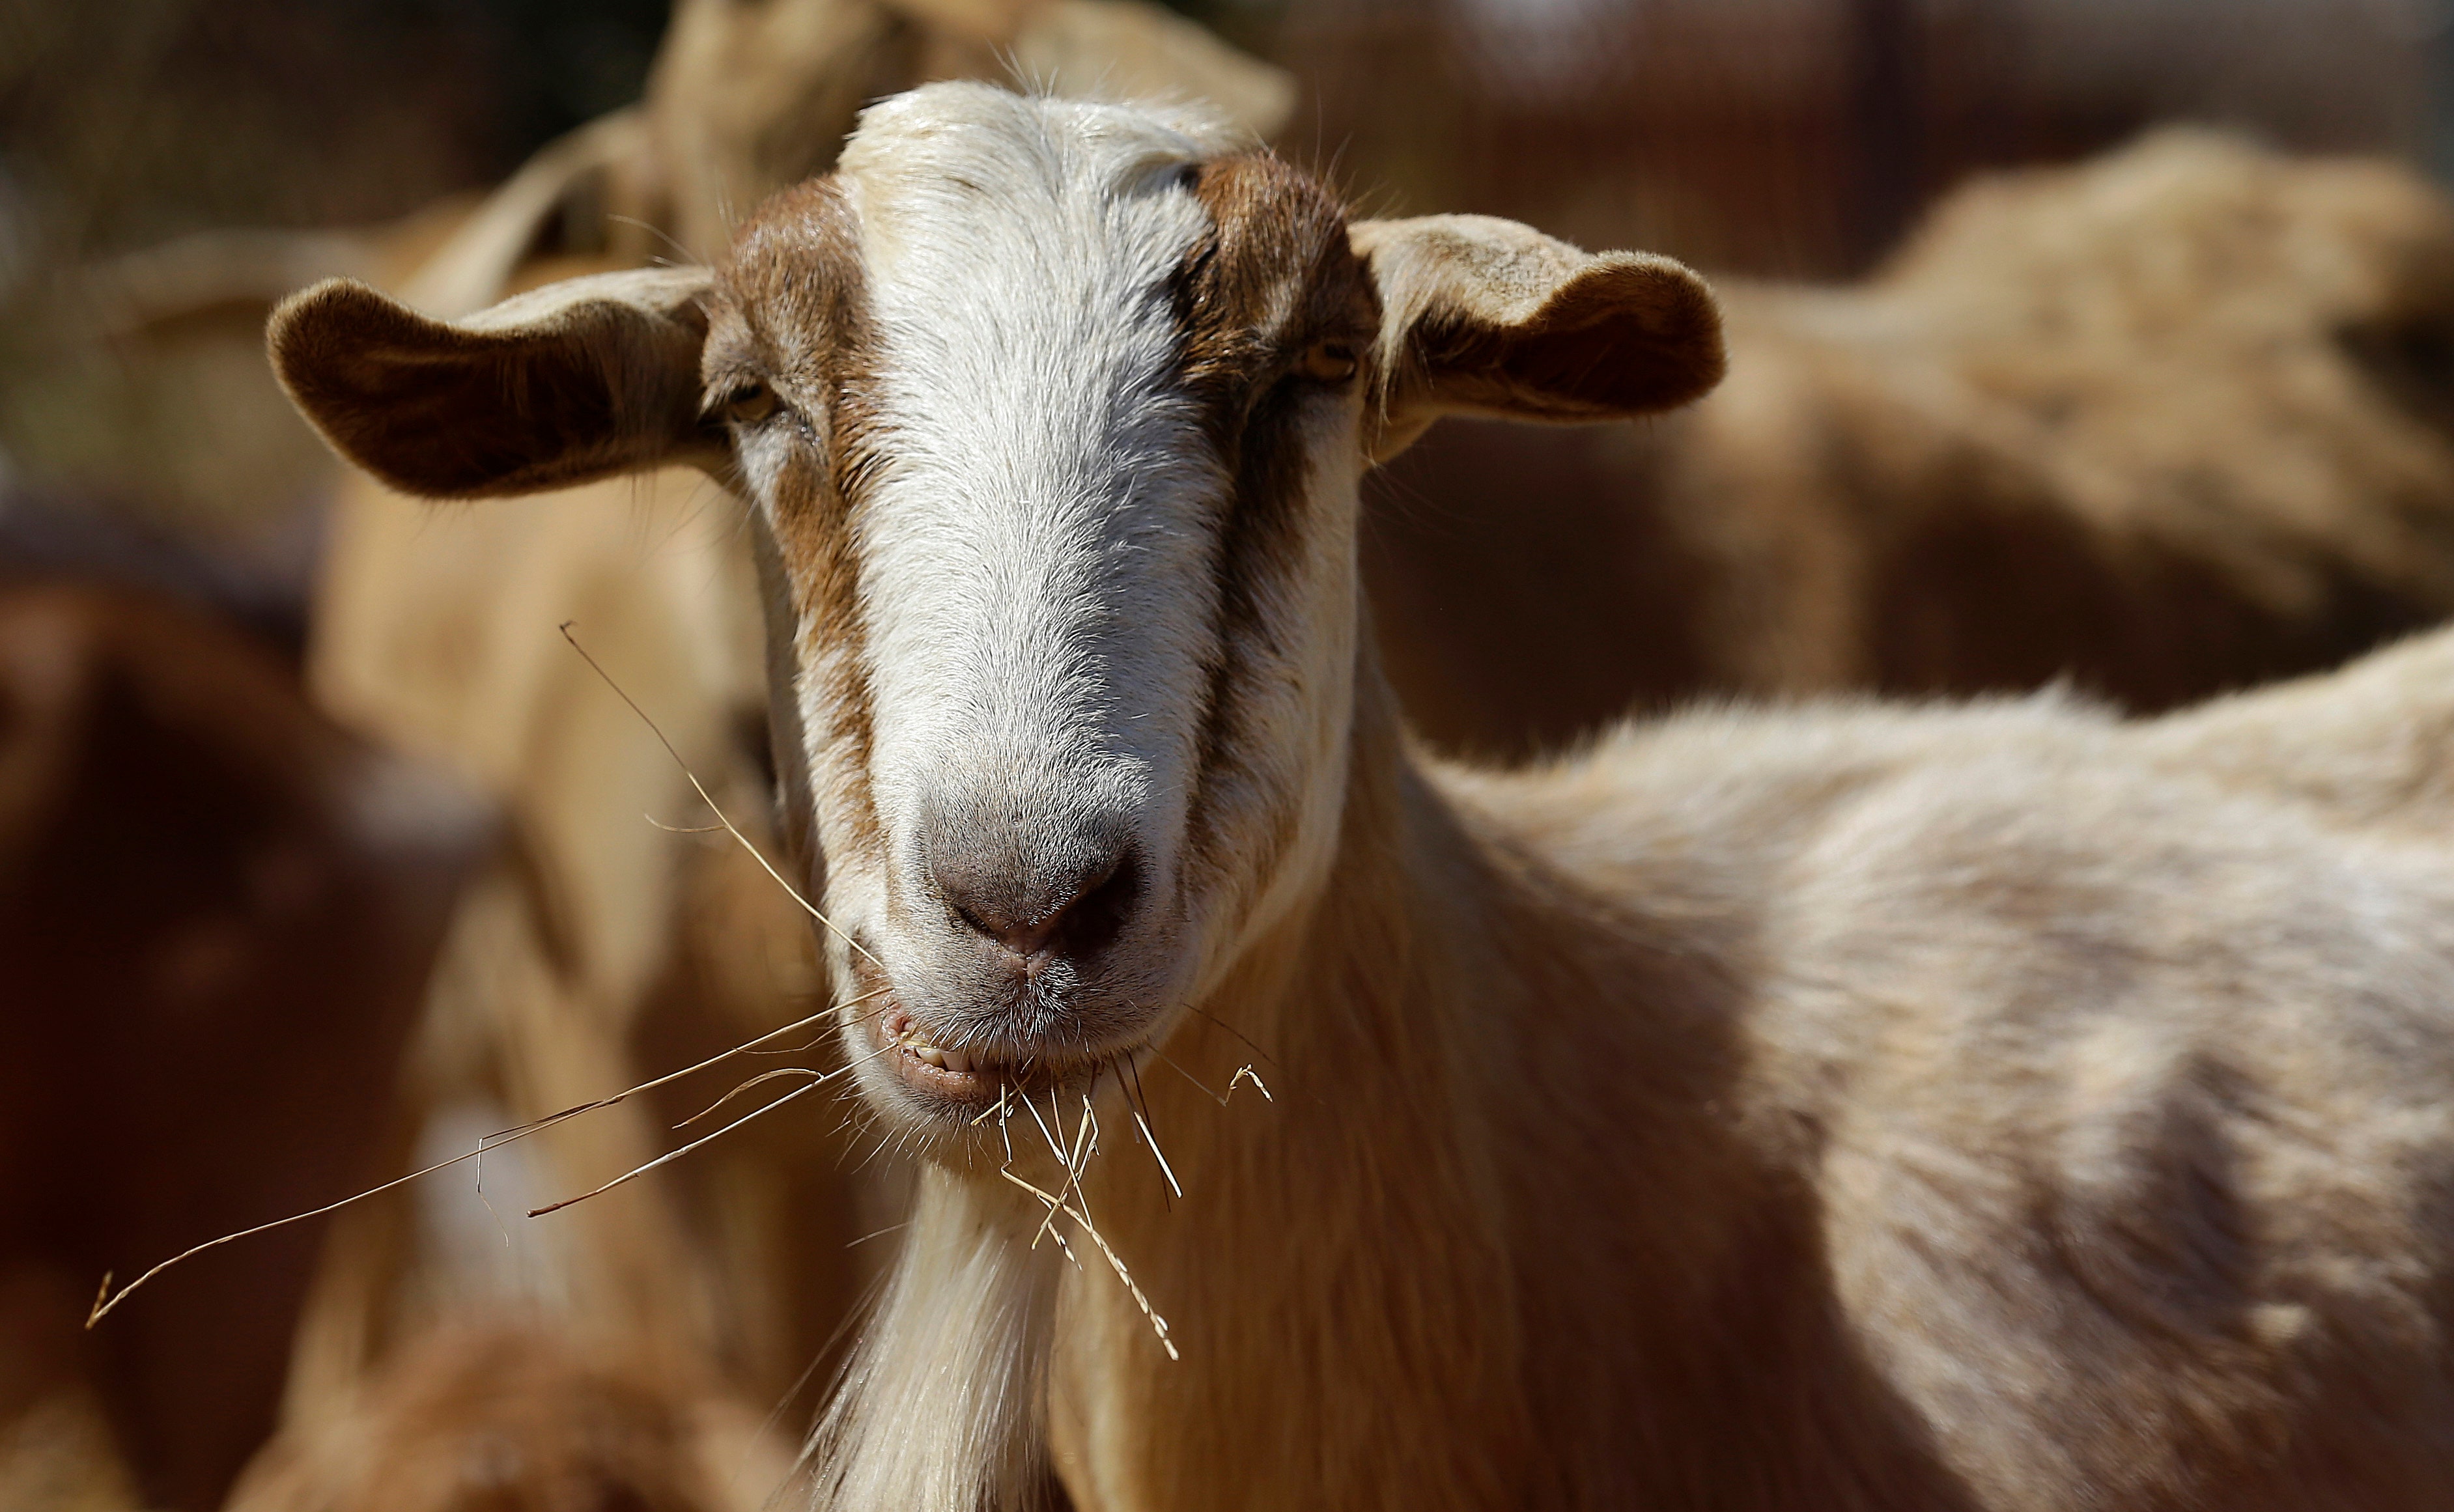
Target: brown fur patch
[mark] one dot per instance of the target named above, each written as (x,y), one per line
(217,913)
(1273,275)
(792,312)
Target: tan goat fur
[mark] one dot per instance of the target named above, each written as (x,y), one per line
(2000,1107)
(2169,422)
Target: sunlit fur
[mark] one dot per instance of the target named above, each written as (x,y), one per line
(2000,1107)
(1851,1108)
(945,1403)
(1038,548)
(1671,1127)
(1038,557)
(1037,569)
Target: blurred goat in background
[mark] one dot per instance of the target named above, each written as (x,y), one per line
(217,914)
(2174,421)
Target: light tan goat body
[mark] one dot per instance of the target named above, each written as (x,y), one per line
(1998,1108)
(2166,423)
(1855,1107)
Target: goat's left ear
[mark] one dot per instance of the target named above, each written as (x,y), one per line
(573,381)
(1486,317)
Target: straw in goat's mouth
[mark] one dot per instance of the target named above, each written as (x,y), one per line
(968,1075)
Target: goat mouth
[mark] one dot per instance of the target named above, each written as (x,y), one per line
(971,1076)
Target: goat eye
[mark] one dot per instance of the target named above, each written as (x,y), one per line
(750,402)
(1327,362)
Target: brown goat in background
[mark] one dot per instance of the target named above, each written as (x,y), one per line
(217,912)
(2170,422)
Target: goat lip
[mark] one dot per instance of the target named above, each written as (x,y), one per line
(967,1078)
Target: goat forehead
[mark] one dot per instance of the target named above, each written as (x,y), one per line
(1022,248)
(952,154)
(1033,537)
(1018,256)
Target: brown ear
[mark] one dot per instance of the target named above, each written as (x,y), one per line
(1480,315)
(563,384)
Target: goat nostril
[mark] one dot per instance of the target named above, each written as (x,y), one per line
(1084,920)
(1027,940)
(1097,913)
(1023,939)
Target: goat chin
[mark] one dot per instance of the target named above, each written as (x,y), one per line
(943,1406)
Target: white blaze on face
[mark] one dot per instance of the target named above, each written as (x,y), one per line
(1037,550)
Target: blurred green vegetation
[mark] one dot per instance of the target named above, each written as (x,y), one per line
(125,124)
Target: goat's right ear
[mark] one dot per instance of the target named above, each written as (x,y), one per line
(573,381)
(1486,317)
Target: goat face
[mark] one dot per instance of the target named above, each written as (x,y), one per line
(1052,416)
(1036,428)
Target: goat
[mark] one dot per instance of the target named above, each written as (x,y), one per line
(1847,1107)
(217,911)
(516,1415)
(2176,420)
(613,945)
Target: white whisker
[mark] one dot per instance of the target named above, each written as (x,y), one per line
(1139,1101)
(1053,1148)
(1164,1168)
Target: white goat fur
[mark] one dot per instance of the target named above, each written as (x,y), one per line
(1998,1107)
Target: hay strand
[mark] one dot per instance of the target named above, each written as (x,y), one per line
(712,807)
(1158,1325)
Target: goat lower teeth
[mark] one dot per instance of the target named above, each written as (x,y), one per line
(957,1061)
